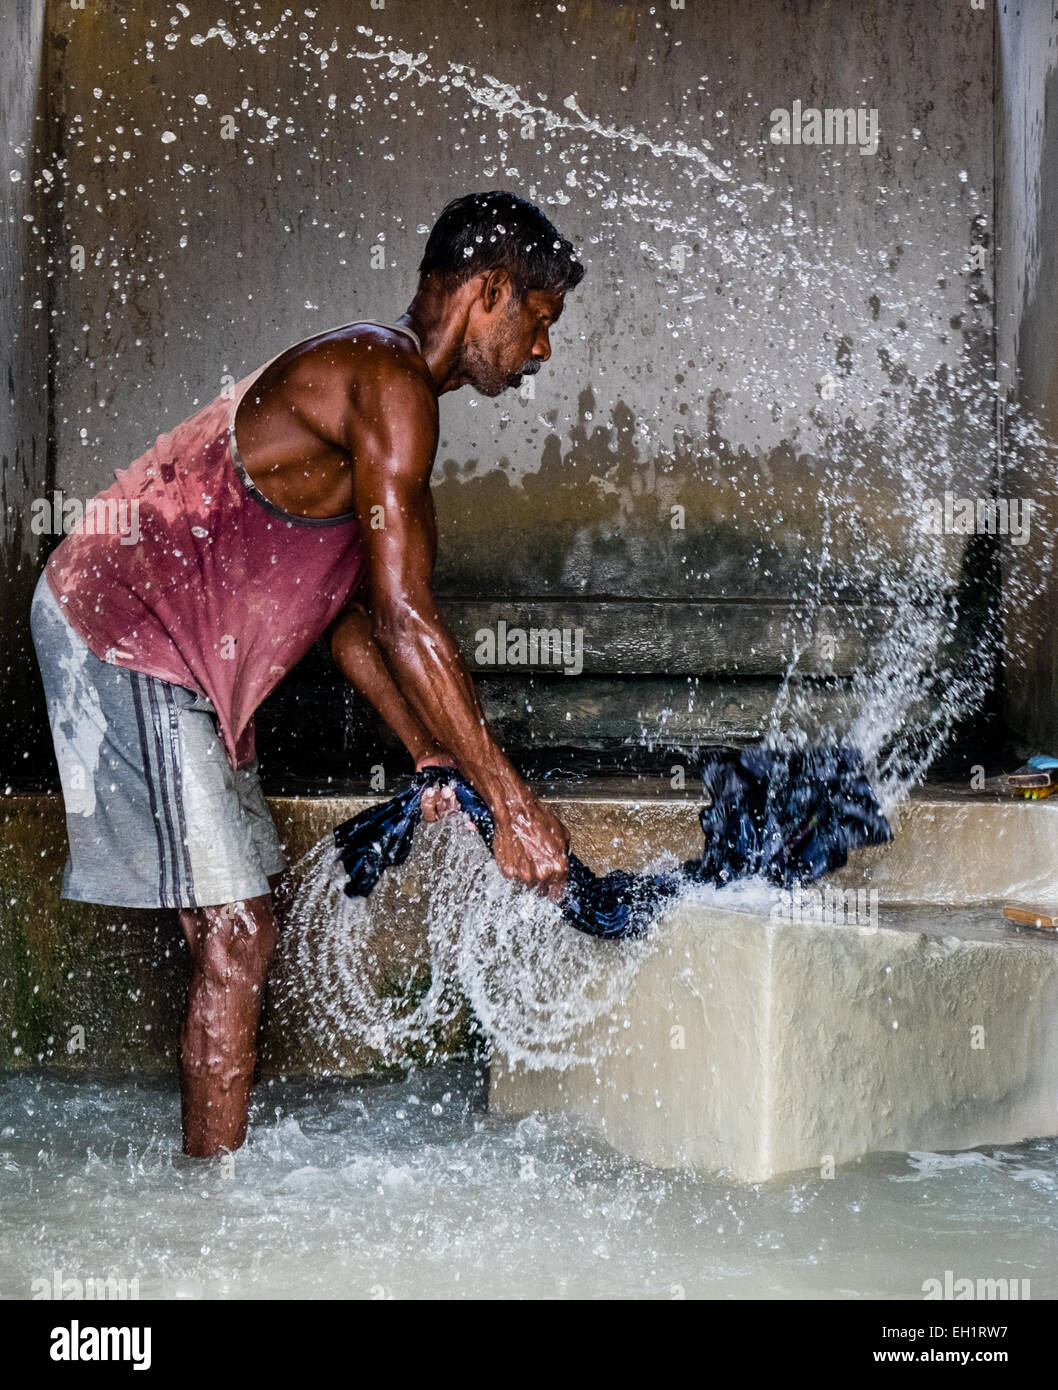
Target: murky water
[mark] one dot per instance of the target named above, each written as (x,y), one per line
(410,1190)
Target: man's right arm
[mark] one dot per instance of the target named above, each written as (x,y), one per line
(392,436)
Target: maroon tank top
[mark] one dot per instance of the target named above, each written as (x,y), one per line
(205,583)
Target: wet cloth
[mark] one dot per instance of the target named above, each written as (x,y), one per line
(784,816)
(182,569)
(155,815)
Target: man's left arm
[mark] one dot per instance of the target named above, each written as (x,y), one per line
(360,661)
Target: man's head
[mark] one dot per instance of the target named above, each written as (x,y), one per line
(513,269)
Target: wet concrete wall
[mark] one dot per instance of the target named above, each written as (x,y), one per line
(740,389)
(1027,349)
(24,296)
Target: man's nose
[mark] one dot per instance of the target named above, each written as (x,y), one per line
(542,346)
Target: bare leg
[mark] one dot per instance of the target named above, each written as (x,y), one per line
(231,946)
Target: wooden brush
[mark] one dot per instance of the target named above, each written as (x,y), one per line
(1031,916)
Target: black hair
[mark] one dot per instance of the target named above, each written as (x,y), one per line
(498,230)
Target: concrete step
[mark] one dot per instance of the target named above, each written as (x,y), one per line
(758,1047)
(761,1046)
(951,847)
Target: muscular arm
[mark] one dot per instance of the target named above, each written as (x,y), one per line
(392,435)
(360,660)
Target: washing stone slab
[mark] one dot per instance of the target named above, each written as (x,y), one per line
(949,846)
(752,1047)
(953,847)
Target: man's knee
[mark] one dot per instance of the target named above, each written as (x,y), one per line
(235,943)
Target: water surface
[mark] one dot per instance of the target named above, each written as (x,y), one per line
(409,1189)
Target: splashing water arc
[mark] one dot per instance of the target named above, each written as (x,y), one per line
(535,986)
(914,414)
(894,584)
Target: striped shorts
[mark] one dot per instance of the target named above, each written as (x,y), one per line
(155,815)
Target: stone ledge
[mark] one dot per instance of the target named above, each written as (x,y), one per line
(806,1043)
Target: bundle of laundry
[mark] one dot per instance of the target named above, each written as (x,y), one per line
(781,815)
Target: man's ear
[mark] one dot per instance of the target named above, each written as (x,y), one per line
(493,290)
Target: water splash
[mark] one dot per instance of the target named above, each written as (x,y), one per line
(835,446)
(368,977)
(828,386)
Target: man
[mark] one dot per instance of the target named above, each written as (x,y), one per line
(301,505)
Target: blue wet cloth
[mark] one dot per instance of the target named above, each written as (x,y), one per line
(785,816)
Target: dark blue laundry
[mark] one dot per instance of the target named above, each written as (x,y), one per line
(785,816)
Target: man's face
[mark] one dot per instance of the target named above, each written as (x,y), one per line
(510,341)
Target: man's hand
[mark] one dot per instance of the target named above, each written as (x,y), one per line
(531,845)
(437,802)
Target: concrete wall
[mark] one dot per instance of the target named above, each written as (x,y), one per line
(1027,347)
(24,299)
(766,337)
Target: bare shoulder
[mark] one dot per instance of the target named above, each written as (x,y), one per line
(354,385)
(390,401)
(373,368)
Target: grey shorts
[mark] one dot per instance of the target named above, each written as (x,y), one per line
(155,815)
